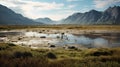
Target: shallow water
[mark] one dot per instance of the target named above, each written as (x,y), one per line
(41,39)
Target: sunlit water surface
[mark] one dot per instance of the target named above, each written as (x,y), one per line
(36,39)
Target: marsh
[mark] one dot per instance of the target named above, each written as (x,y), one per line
(61,38)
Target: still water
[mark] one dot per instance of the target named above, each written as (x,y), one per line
(37,39)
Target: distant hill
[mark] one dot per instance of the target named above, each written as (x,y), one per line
(109,16)
(9,17)
(45,20)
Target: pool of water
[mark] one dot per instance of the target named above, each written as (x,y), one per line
(36,39)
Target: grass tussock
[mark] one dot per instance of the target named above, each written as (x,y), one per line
(16,56)
(63,26)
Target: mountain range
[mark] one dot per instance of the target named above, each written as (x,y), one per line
(109,16)
(9,17)
(45,20)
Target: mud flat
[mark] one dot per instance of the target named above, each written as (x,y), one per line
(64,37)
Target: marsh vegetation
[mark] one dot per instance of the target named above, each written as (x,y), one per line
(14,55)
(18,46)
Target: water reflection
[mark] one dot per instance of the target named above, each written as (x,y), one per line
(37,39)
(100,42)
(68,39)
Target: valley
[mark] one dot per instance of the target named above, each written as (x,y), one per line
(53,45)
(63,36)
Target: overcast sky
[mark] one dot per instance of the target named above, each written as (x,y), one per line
(56,9)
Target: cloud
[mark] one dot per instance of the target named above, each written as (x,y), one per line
(71,6)
(31,9)
(36,9)
(104,3)
(32,4)
(63,14)
(73,0)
